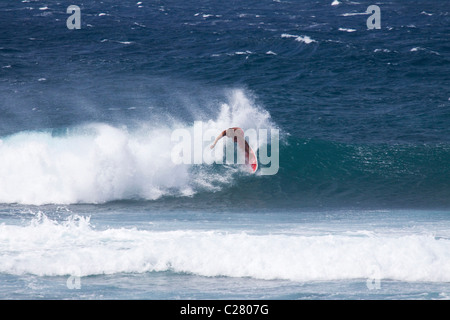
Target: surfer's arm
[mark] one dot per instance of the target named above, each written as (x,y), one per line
(220,136)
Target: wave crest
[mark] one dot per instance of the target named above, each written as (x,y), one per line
(98,162)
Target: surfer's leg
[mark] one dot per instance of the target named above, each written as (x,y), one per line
(242,144)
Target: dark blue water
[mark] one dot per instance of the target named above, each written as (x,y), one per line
(86,118)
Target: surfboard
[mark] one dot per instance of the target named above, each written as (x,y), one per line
(252,160)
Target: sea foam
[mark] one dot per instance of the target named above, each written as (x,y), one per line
(304,39)
(98,162)
(46,247)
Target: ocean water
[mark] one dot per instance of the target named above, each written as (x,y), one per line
(93,205)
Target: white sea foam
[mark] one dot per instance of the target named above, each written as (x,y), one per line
(416,49)
(304,39)
(353,14)
(243,52)
(97,162)
(347,29)
(48,248)
(382,50)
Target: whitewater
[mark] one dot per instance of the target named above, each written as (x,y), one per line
(47,247)
(99,162)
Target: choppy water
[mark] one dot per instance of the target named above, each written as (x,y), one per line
(88,187)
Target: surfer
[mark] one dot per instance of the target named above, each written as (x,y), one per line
(238,135)
(235,132)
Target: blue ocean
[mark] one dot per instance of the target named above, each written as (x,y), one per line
(93,205)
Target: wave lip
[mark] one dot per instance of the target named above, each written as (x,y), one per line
(74,247)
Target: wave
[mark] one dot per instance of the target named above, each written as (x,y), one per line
(99,162)
(319,173)
(326,174)
(304,39)
(46,247)
(377,174)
